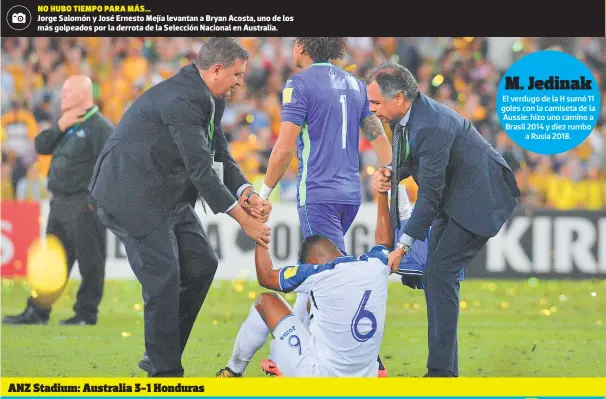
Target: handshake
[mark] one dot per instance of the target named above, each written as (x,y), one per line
(253,220)
(381,181)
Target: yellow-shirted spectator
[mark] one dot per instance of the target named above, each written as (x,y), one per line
(244,150)
(135,66)
(589,194)
(274,109)
(293,167)
(21,115)
(115,94)
(43,161)
(8,190)
(32,81)
(565,194)
(21,129)
(583,151)
(93,46)
(248,43)
(459,84)
(32,187)
(18,73)
(561,193)
(539,178)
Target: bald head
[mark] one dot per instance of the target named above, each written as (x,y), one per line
(77,92)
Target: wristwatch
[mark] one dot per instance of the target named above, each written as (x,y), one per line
(404,247)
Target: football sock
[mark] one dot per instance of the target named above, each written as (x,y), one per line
(251,337)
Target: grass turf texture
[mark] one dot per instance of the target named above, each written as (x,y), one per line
(522,328)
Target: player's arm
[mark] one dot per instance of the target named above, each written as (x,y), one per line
(384,232)
(47,140)
(372,128)
(289,278)
(294,114)
(267,276)
(281,155)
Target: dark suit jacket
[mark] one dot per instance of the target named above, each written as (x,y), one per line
(160,154)
(458,172)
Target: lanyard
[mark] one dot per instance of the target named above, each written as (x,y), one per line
(406,135)
(86,116)
(211,136)
(211,133)
(211,129)
(407,147)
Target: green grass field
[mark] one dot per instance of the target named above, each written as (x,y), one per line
(531,328)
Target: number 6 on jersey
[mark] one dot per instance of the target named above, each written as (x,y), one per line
(359,316)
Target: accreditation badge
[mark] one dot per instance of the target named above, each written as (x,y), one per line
(217,167)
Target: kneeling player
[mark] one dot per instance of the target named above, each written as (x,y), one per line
(348,306)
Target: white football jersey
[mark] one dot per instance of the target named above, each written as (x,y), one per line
(349,297)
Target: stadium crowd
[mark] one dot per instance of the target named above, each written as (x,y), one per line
(462,73)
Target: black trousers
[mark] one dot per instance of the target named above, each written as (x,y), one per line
(175,265)
(83,237)
(451,248)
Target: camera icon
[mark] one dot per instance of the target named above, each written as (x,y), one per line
(18,18)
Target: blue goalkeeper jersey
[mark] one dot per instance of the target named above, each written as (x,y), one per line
(328,103)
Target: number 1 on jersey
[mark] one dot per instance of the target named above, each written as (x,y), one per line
(363,314)
(343,102)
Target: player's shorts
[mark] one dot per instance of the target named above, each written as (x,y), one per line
(417,258)
(330,220)
(290,349)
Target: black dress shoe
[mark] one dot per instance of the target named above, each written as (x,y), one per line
(438,373)
(79,320)
(145,364)
(30,315)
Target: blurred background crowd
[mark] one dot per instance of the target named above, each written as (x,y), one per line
(462,73)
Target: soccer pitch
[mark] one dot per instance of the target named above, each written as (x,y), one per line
(522,328)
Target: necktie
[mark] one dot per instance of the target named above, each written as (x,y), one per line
(395,177)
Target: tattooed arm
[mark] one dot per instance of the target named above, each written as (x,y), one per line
(372,128)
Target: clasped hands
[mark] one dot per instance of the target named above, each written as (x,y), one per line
(258,210)
(381,181)
(256,206)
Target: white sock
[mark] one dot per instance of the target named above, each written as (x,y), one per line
(251,337)
(300,309)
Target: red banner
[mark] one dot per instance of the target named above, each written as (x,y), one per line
(20,227)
